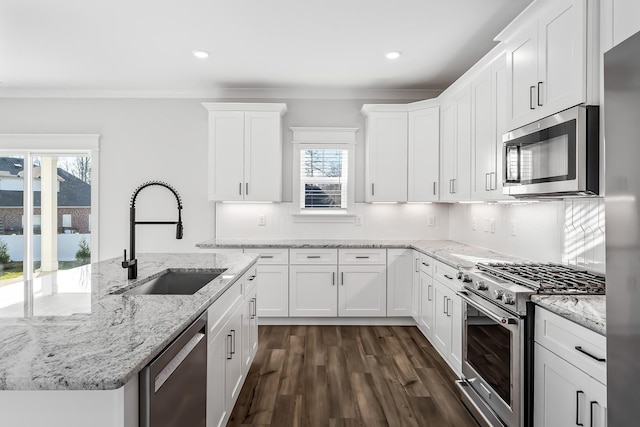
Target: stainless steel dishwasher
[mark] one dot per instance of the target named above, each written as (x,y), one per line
(173,387)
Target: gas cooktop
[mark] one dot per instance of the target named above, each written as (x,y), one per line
(548,278)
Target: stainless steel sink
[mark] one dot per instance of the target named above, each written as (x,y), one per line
(174,282)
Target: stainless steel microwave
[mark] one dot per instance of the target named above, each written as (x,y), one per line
(557,156)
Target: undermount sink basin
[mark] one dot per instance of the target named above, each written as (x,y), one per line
(175,283)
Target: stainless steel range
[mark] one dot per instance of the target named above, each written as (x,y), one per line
(497,340)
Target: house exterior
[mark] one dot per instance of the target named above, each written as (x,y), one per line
(74,199)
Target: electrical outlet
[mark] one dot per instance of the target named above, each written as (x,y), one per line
(262,220)
(486,225)
(514,227)
(474,223)
(432,221)
(492,225)
(358,219)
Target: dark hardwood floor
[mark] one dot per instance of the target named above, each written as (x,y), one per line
(340,376)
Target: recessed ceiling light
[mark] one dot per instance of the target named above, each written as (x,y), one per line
(201,54)
(393,55)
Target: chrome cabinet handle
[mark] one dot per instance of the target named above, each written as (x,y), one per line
(531,107)
(342,278)
(229,353)
(487,182)
(233,342)
(251,308)
(417,265)
(494,181)
(446,306)
(255,307)
(313,256)
(251,278)
(578,393)
(240,188)
(539,104)
(333,278)
(593,402)
(448,277)
(362,256)
(266,256)
(373,188)
(434,187)
(429,297)
(455,190)
(448,311)
(246,188)
(426,264)
(599,359)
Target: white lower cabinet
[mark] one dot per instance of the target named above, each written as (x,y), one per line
(416,291)
(273,290)
(313,291)
(232,343)
(425,322)
(399,284)
(447,320)
(564,395)
(362,291)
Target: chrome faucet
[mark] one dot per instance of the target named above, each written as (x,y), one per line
(132,263)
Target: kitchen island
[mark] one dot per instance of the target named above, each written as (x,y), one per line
(73,343)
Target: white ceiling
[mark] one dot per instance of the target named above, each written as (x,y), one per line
(146,45)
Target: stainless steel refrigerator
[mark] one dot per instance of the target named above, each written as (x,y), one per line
(622,201)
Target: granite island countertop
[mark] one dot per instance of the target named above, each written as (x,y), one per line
(67,331)
(450,252)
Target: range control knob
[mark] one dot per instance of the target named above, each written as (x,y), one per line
(481,285)
(466,278)
(459,275)
(508,299)
(498,293)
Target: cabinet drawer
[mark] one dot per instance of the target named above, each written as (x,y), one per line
(270,256)
(446,275)
(362,256)
(314,256)
(222,309)
(574,343)
(426,264)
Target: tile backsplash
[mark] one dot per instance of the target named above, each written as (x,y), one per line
(584,233)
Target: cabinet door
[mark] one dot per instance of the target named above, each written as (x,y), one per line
(522,61)
(234,372)
(427,293)
(456,316)
(563,394)
(448,151)
(273,290)
(263,157)
(415,294)
(226,154)
(313,291)
(424,160)
(483,139)
(441,319)
(217,353)
(462,181)
(362,291)
(386,153)
(400,265)
(500,73)
(561,52)
(249,330)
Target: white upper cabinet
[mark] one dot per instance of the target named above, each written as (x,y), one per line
(455,147)
(547,61)
(423,156)
(386,155)
(245,151)
(488,125)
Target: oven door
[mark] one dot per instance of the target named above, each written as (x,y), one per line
(546,157)
(493,358)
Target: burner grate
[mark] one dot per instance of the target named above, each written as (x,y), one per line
(549,278)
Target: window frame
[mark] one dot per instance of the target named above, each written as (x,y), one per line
(323,139)
(33,145)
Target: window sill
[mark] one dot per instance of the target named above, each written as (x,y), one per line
(324,217)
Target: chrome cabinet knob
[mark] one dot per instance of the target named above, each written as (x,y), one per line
(481,286)
(498,293)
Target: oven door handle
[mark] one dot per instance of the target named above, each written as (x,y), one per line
(502,320)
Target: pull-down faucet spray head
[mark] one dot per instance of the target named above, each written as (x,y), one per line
(132,264)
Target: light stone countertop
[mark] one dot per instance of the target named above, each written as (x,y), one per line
(71,333)
(448,251)
(586,310)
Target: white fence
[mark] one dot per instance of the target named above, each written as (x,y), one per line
(68,245)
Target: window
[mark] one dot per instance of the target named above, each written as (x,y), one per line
(323,170)
(324,179)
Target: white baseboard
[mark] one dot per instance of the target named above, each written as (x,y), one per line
(343,321)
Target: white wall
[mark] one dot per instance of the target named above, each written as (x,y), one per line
(380,221)
(166,139)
